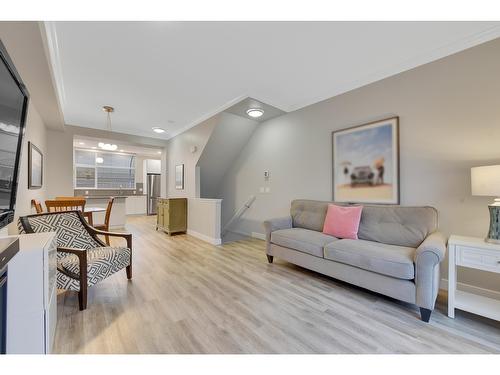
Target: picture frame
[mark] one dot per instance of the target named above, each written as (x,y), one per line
(35,167)
(179,177)
(365,163)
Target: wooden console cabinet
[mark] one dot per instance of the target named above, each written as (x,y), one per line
(171,215)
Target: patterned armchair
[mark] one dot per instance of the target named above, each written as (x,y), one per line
(83,259)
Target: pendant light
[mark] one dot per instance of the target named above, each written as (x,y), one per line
(108,146)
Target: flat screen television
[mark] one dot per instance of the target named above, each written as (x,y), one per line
(13,110)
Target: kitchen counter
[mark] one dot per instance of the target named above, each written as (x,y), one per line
(109,196)
(123,205)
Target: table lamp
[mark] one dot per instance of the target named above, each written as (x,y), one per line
(485,181)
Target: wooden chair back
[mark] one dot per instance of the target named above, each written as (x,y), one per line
(108,212)
(60,198)
(37,205)
(54,205)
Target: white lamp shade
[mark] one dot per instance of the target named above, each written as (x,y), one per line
(485,180)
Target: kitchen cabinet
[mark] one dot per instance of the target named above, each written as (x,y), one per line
(135,205)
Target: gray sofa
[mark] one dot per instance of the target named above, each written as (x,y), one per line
(397,254)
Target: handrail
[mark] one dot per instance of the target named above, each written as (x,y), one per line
(238,214)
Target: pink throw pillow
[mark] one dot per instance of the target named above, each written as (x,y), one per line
(342,221)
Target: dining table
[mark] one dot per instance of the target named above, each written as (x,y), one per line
(89,213)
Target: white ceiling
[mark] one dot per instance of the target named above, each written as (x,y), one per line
(176,74)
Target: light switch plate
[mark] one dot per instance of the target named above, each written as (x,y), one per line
(261,189)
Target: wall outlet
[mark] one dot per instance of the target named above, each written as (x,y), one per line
(268,189)
(86,192)
(261,189)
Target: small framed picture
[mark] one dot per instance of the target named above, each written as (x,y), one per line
(179,177)
(366,163)
(35,167)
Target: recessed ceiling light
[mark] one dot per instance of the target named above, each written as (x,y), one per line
(94,148)
(81,143)
(99,160)
(255,112)
(158,130)
(122,150)
(159,152)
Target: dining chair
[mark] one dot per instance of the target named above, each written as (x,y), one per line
(105,226)
(38,206)
(56,205)
(86,215)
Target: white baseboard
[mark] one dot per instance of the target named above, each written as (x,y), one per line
(240,232)
(260,236)
(212,240)
(471,289)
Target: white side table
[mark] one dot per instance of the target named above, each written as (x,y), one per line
(472,252)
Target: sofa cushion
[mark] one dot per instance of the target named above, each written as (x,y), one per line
(390,260)
(308,214)
(397,225)
(303,240)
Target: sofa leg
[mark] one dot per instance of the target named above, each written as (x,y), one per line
(425,314)
(270,258)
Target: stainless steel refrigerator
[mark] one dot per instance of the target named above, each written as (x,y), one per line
(153,188)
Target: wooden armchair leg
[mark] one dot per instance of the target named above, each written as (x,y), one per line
(107,240)
(82,297)
(82,294)
(129,271)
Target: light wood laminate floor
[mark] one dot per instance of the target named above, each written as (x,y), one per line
(187,296)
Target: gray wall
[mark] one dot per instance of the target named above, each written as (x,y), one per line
(449,114)
(229,136)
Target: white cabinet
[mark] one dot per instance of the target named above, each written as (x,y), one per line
(136,205)
(152,166)
(32,295)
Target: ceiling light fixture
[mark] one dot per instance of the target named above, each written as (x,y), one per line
(99,160)
(81,143)
(255,112)
(108,146)
(158,130)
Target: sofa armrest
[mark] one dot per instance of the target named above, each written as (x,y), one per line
(272,225)
(428,256)
(435,244)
